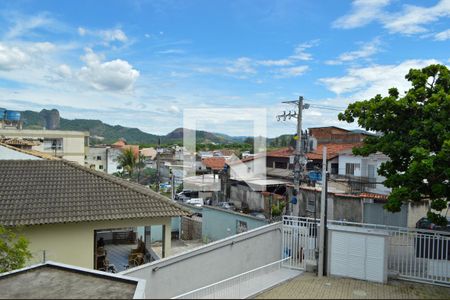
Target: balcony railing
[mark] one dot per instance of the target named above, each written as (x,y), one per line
(243,285)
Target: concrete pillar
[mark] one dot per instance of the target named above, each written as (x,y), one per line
(167,239)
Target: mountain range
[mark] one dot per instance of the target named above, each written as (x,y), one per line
(102,133)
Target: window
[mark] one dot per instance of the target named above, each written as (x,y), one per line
(334,168)
(53,144)
(241,226)
(311,205)
(100,167)
(350,168)
(280,165)
(99,158)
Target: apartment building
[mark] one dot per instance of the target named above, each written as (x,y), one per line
(70,145)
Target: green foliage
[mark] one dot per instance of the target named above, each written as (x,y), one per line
(13,250)
(180,188)
(277,209)
(127,160)
(415,135)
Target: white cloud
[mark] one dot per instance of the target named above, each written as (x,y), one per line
(241,65)
(410,20)
(277,63)
(115,75)
(368,81)
(81,31)
(363,12)
(22,24)
(107,36)
(443,35)
(172,51)
(365,51)
(300,51)
(64,71)
(413,18)
(291,72)
(12,57)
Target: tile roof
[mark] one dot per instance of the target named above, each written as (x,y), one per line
(332,151)
(214,163)
(57,191)
(19,142)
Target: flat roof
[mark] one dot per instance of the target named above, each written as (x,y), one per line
(58,281)
(42,133)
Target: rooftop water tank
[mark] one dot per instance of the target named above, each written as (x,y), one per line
(2,113)
(12,115)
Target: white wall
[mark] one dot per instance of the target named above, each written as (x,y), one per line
(6,153)
(209,264)
(373,159)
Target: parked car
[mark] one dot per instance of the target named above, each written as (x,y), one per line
(186,195)
(195,201)
(424,223)
(227,205)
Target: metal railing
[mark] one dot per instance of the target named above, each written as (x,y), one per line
(414,254)
(299,241)
(237,287)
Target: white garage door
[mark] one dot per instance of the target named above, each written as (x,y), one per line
(358,256)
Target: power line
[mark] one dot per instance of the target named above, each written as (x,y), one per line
(327,107)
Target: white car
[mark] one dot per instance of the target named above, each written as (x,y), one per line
(195,201)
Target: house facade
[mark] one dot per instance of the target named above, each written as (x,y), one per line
(59,206)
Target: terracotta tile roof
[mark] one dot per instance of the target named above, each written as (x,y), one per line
(214,163)
(363,195)
(57,191)
(19,142)
(332,151)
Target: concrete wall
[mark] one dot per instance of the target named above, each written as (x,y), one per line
(221,223)
(191,229)
(73,243)
(211,263)
(243,194)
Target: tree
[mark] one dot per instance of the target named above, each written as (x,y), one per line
(127,160)
(179,188)
(13,250)
(415,134)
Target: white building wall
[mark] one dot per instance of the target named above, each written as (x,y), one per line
(364,162)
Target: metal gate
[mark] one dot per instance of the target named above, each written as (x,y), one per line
(299,242)
(414,254)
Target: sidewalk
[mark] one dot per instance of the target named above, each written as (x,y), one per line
(308,286)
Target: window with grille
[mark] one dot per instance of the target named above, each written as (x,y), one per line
(350,168)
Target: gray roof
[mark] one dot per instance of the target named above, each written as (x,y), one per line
(58,281)
(57,191)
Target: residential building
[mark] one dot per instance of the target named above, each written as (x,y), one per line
(362,172)
(103,158)
(70,145)
(64,208)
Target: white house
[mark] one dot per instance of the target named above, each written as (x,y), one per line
(364,167)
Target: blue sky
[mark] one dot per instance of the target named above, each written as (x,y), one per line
(140,63)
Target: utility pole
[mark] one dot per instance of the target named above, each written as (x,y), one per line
(323,222)
(158,152)
(299,155)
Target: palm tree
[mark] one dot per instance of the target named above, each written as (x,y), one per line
(128,161)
